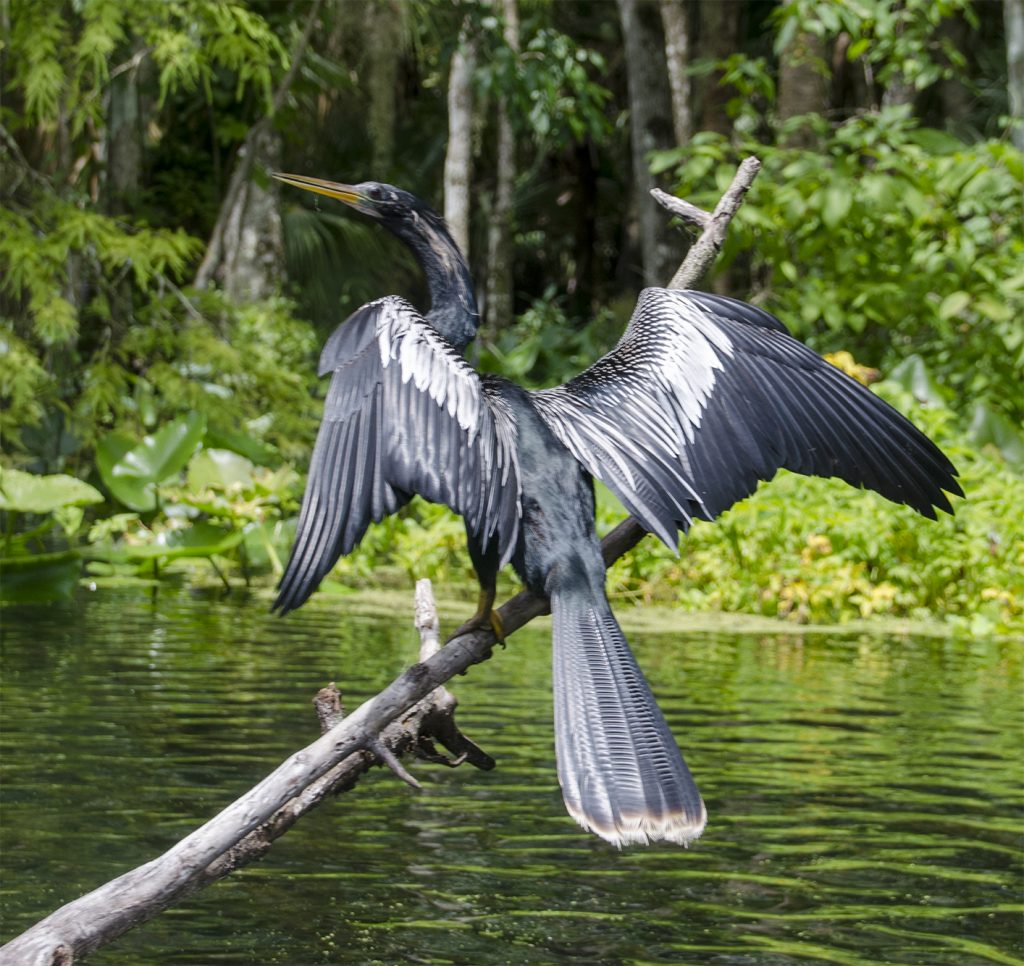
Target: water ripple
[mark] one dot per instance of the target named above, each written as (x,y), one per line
(864,794)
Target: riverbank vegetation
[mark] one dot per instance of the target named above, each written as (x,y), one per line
(162,302)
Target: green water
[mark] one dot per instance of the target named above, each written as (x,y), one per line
(864,795)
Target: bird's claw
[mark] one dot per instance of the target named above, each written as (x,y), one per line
(482,621)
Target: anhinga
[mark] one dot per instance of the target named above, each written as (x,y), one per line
(702,397)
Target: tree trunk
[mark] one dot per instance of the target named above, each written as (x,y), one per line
(675,18)
(1013,13)
(384,23)
(124,140)
(581,285)
(897,91)
(458,162)
(955,95)
(803,85)
(498,298)
(650,125)
(256,145)
(719,37)
(253,239)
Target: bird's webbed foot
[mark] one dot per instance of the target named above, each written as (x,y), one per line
(485,618)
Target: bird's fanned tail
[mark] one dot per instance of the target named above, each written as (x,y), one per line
(621,772)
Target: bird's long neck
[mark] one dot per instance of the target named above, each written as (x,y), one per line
(453,309)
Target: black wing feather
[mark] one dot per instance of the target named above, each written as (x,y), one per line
(404,414)
(705,396)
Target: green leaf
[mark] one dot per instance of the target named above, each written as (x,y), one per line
(242,443)
(166,452)
(133,473)
(69,518)
(835,204)
(913,375)
(857,48)
(198,540)
(29,493)
(109,450)
(953,304)
(990,428)
(219,469)
(996,311)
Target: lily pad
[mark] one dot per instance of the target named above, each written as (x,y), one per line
(29,493)
(219,469)
(133,472)
(199,540)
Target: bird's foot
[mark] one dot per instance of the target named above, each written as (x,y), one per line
(485,618)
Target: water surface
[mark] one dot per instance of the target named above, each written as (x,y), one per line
(864,795)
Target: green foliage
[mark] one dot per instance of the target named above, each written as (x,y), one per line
(40,243)
(890,239)
(815,550)
(27,493)
(551,86)
(898,40)
(133,473)
(544,347)
(60,57)
(97,335)
(23,381)
(905,237)
(204,512)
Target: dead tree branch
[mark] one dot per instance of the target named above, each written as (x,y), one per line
(410,714)
(707,246)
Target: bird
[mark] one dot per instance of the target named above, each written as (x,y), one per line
(702,398)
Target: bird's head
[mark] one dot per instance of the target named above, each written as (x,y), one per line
(453,312)
(395,208)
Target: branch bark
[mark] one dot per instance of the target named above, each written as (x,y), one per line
(706,248)
(410,714)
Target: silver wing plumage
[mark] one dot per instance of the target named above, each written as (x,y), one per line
(404,414)
(704,396)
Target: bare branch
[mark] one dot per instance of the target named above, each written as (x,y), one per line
(706,248)
(678,206)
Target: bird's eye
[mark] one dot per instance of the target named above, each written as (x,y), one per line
(375,193)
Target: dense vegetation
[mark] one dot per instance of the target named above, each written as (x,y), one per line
(161,303)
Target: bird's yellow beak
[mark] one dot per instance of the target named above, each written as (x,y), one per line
(332,189)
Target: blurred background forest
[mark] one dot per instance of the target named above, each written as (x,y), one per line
(162,300)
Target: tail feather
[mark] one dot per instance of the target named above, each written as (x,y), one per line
(621,772)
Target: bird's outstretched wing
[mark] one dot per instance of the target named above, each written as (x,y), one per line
(404,414)
(704,396)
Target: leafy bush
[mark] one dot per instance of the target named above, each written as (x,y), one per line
(816,550)
(904,236)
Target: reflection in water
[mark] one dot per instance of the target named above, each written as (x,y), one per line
(864,795)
